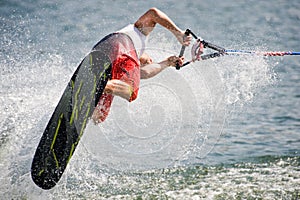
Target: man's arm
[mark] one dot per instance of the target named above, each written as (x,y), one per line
(153,16)
(152,69)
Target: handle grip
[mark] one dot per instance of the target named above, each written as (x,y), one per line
(213,46)
(187,32)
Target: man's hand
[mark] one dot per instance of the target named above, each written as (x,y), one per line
(184,39)
(174,60)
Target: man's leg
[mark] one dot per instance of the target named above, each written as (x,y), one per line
(125,83)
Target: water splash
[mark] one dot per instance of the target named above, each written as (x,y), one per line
(187,108)
(27,102)
(244,77)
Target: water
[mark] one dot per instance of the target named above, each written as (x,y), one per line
(227,128)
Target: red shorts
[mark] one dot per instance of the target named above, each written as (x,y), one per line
(126,69)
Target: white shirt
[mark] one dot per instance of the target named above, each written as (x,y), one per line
(139,39)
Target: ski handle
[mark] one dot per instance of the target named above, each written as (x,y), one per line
(206,44)
(222,51)
(186,33)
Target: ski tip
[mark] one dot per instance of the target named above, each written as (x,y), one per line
(42,180)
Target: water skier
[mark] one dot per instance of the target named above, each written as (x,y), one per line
(129,62)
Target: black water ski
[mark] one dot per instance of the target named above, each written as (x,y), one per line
(69,119)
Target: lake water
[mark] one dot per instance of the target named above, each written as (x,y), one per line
(224,128)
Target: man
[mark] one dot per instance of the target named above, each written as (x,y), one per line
(129,62)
